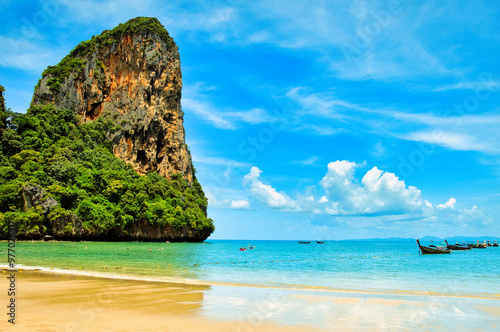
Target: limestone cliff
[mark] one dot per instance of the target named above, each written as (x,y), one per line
(115,96)
(131,75)
(2,102)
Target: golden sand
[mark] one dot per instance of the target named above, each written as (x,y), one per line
(56,302)
(68,302)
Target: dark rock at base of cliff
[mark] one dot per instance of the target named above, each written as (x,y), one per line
(65,225)
(34,195)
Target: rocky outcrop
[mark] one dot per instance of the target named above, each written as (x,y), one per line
(65,224)
(130,75)
(2,101)
(34,195)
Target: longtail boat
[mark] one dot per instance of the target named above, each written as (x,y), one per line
(432,249)
(457,246)
(478,245)
(304,242)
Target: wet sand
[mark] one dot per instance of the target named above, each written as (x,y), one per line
(65,302)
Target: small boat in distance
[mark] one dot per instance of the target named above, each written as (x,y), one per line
(457,246)
(304,242)
(320,242)
(432,249)
(478,245)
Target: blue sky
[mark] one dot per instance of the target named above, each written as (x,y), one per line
(314,119)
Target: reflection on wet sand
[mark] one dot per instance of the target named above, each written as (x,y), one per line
(68,302)
(113,293)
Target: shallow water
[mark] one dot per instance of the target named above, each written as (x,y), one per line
(394,267)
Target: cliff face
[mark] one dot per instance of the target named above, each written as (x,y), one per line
(116,96)
(132,76)
(2,102)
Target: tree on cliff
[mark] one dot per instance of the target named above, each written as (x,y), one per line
(59,170)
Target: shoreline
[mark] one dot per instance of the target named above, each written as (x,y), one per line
(292,287)
(48,300)
(64,302)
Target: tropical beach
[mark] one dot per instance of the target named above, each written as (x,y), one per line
(62,302)
(278,285)
(222,165)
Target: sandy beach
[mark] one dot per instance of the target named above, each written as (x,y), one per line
(49,301)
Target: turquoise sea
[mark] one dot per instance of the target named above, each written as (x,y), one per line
(365,266)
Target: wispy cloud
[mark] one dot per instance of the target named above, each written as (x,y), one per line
(379,150)
(311,161)
(220,161)
(218,198)
(26,55)
(451,140)
(323,114)
(320,104)
(196,99)
(207,112)
(490,85)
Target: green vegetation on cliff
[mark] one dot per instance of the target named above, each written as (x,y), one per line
(72,63)
(81,184)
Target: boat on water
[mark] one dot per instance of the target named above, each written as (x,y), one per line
(320,242)
(304,242)
(432,249)
(457,246)
(495,244)
(478,245)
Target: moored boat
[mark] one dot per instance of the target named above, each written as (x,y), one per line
(478,245)
(457,246)
(320,242)
(304,242)
(432,249)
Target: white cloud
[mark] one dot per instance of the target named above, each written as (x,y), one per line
(196,100)
(240,204)
(450,204)
(452,140)
(252,116)
(459,129)
(319,104)
(206,112)
(219,161)
(311,161)
(25,55)
(217,199)
(267,194)
(490,85)
(379,150)
(378,194)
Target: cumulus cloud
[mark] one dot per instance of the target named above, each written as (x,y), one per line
(448,205)
(267,194)
(240,204)
(377,193)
